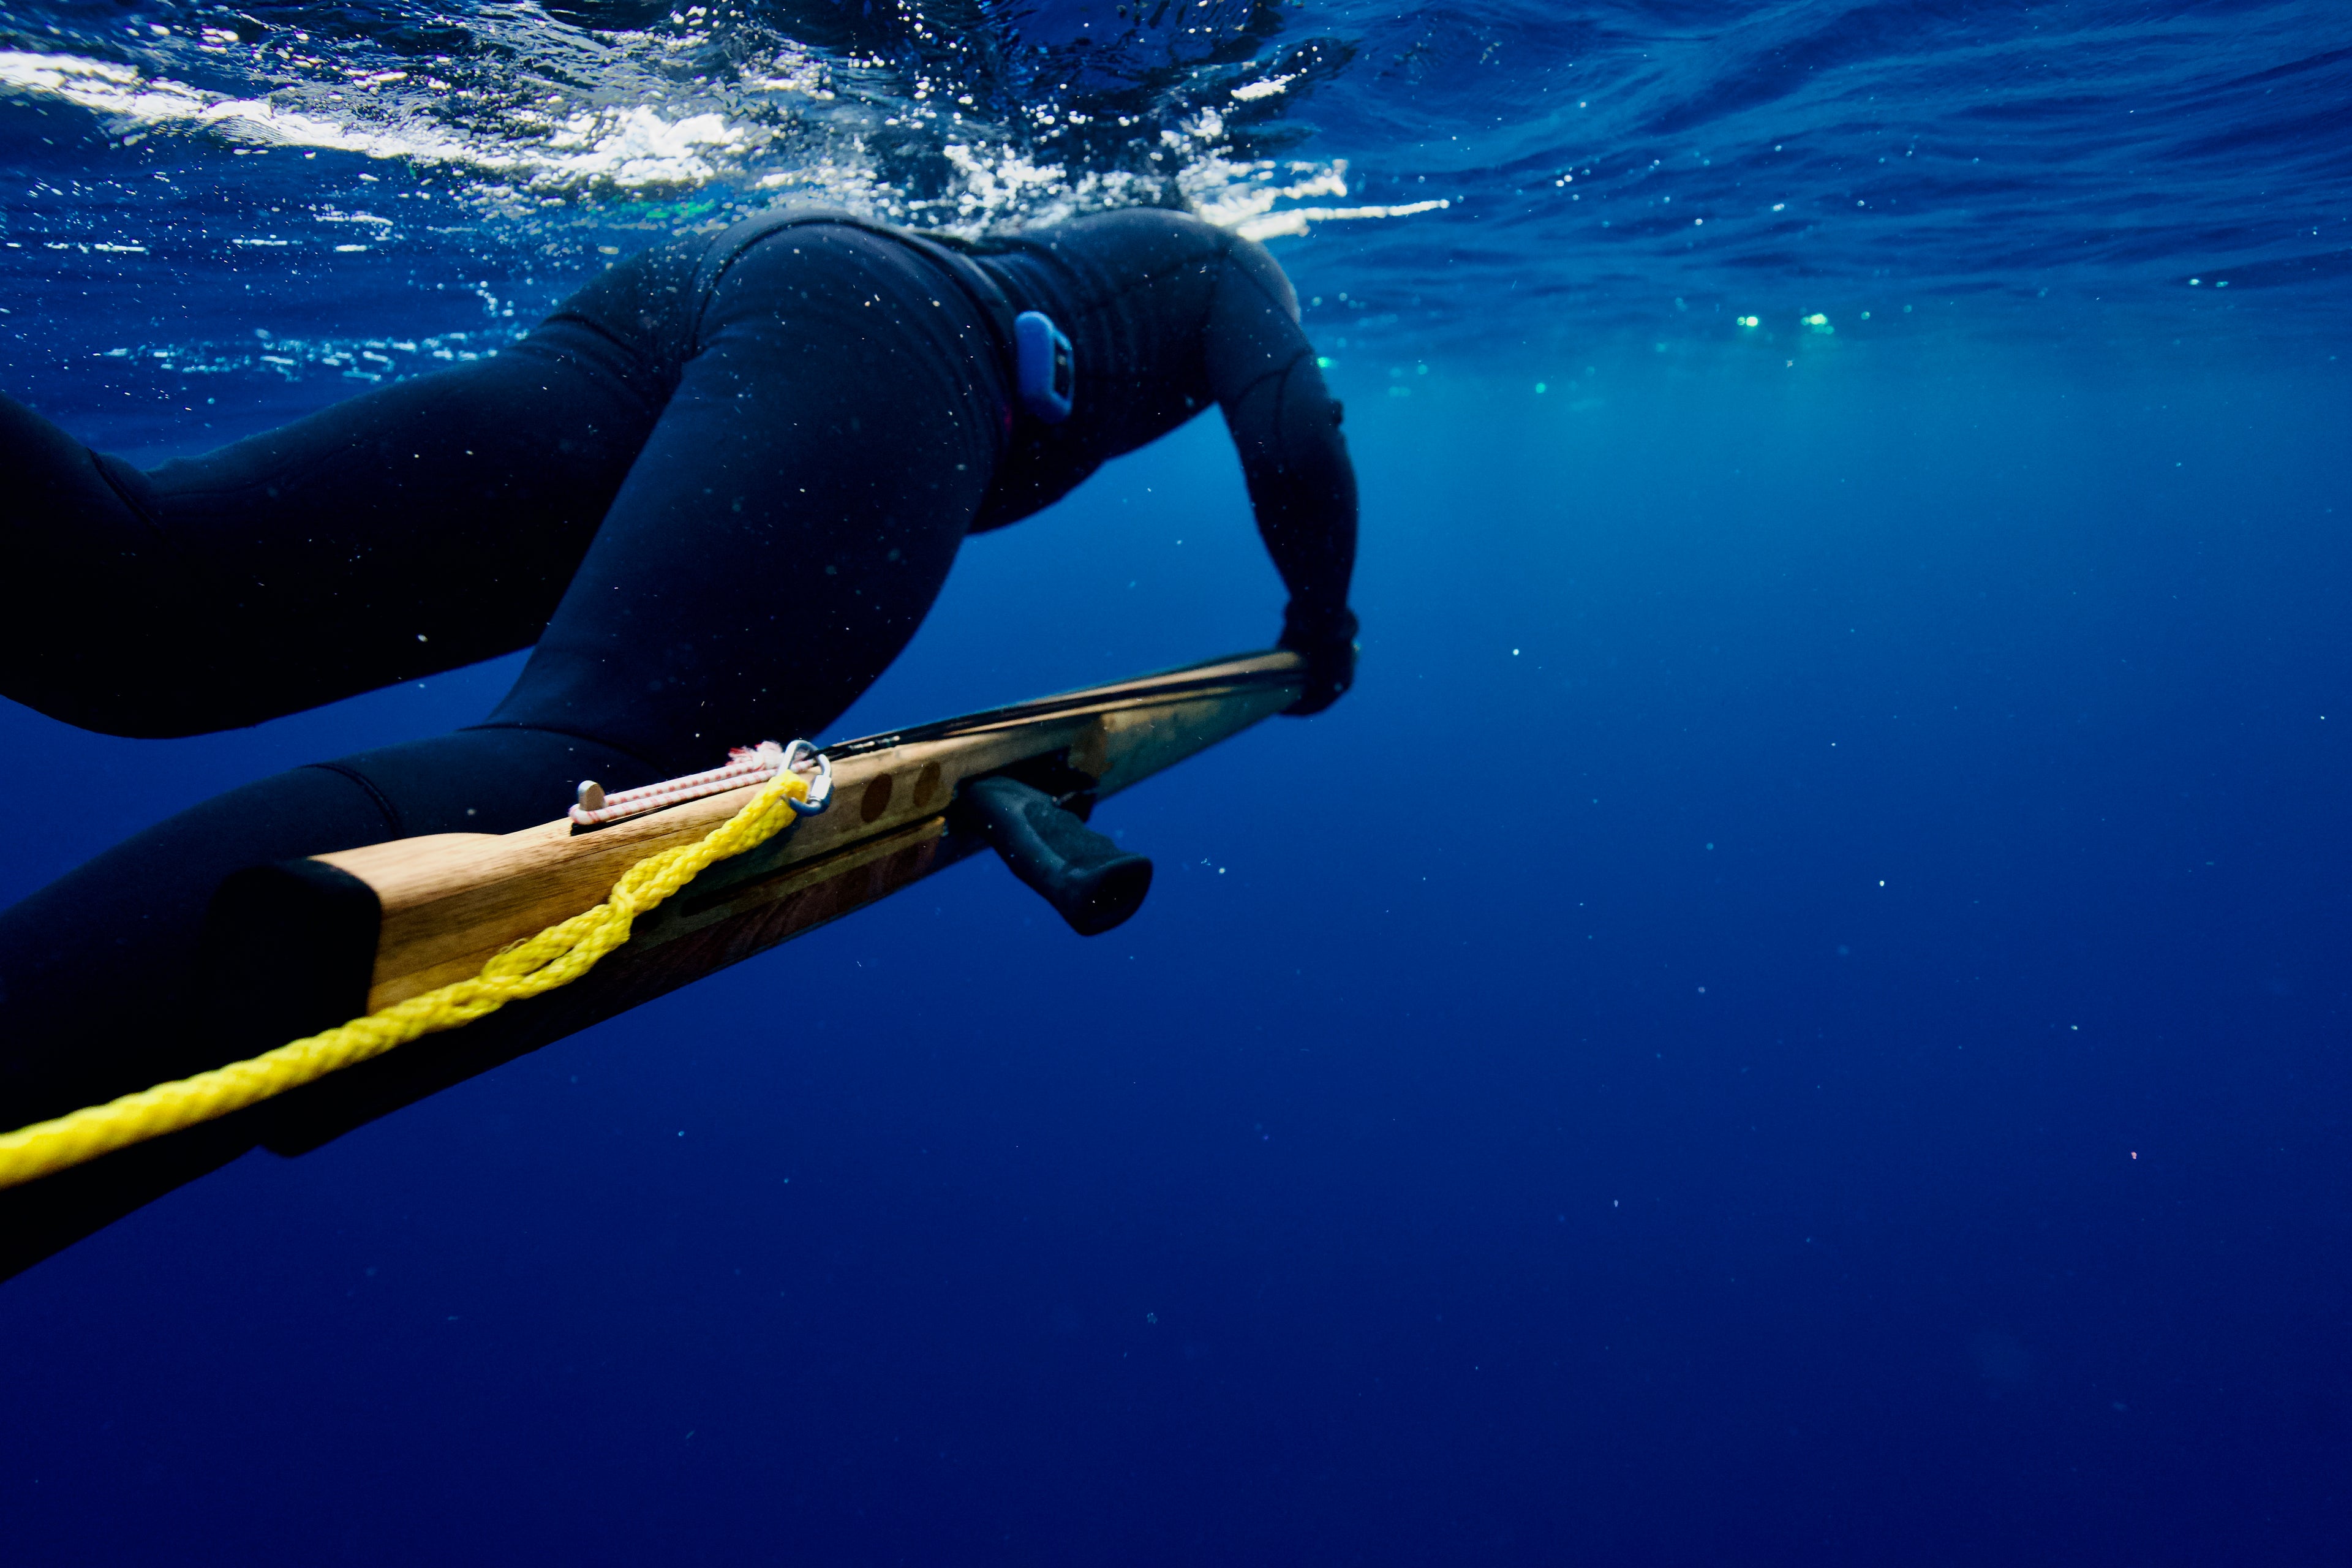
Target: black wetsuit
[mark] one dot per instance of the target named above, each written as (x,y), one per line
(719,490)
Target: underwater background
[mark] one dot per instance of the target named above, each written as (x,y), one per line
(1797,1015)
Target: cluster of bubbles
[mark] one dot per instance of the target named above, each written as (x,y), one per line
(961,114)
(370,360)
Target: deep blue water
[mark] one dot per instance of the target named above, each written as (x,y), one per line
(1796,1015)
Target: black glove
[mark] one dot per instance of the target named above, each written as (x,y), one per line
(1328,646)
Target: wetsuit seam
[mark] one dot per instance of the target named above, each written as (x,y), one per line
(707,292)
(652,407)
(994,314)
(138,509)
(1281,423)
(1284,369)
(383,802)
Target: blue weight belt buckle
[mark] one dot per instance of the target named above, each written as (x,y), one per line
(1046,368)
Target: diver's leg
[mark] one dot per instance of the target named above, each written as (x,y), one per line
(793,515)
(775,545)
(101,992)
(417,527)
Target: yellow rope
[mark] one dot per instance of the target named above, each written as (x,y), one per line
(556,956)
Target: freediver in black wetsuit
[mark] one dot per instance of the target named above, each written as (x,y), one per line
(719,490)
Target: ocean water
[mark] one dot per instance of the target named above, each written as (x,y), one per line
(1798,1014)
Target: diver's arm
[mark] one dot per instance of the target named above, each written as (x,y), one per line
(1285,425)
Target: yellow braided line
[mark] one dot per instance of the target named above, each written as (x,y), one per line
(556,956)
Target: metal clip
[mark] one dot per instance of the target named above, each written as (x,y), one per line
(820,794)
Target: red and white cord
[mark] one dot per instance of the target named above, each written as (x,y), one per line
(745,766)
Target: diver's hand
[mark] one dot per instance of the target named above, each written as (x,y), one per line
(1329,645)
